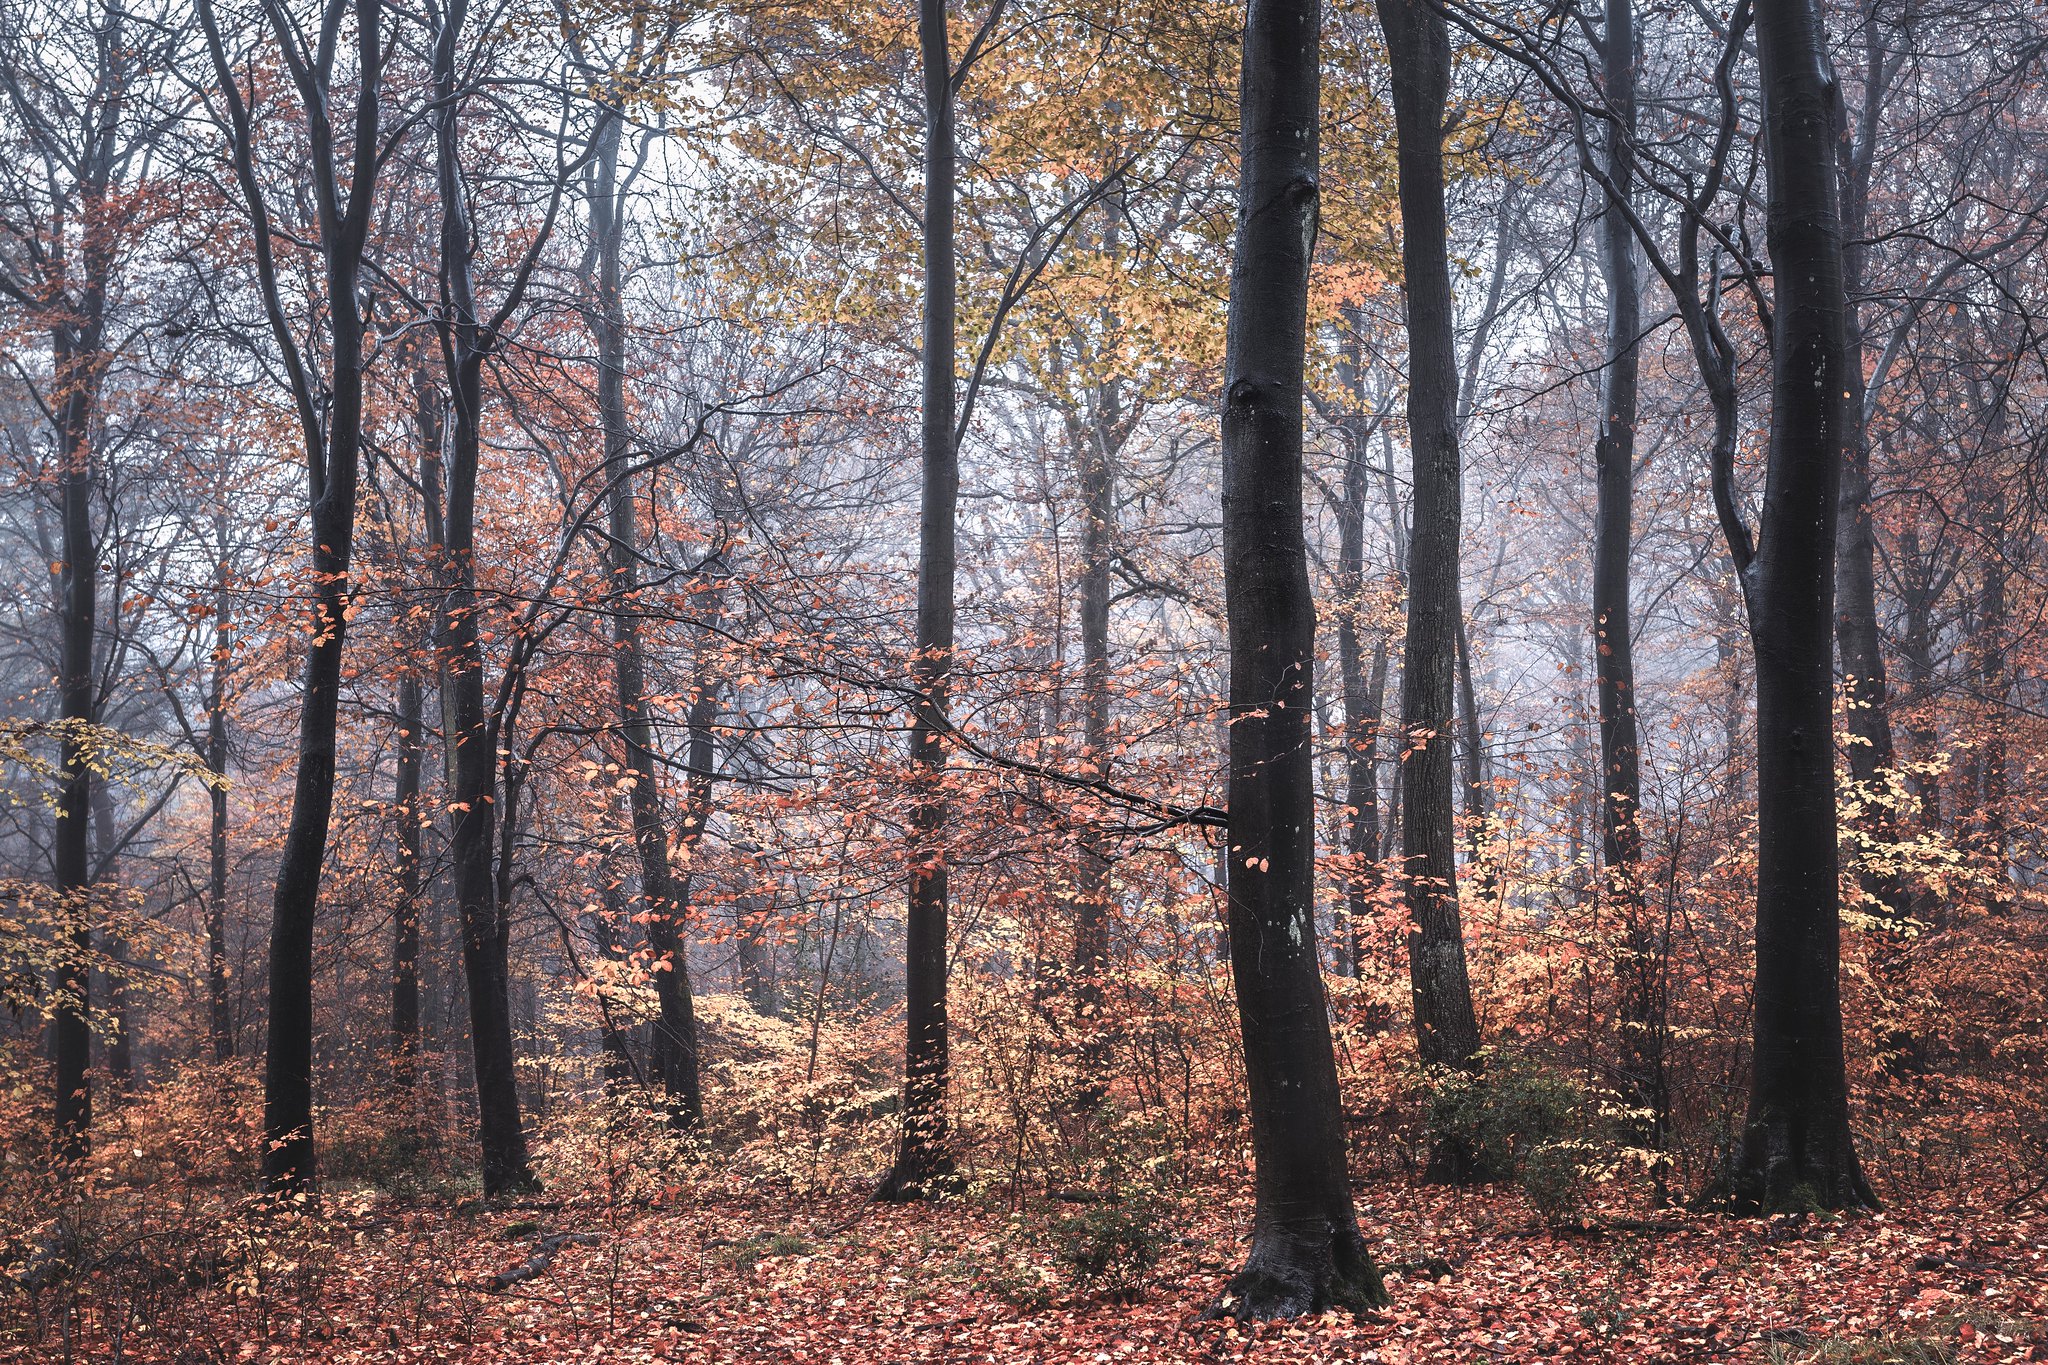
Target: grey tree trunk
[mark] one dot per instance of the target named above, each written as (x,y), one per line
(1447,1030)
(675,1050)
(1306,1254)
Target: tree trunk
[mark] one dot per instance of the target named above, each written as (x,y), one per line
(220,1020)
(330,420)
(675,1051)
(924,1157)
(1364,686)
(1306,1254)
(405,944)
(1419,69)
(469,733)
(1866,701)
(1091,880)
(1640,968)
(1478,796)
(1797,1148)
(120,1042)
(76,362)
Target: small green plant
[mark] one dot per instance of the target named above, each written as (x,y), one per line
(1511,1118)
(1111,1246)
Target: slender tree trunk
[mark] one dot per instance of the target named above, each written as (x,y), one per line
(1797,1147)
(220,1019)
(1364,686)
(405,944)
(1866,700)
(1306,1254)
(1091,890)
(1447,1031)
(331,424)
(924,1157)
(120,1041)
(675,1050)
(1640,968)
(77,364)
(1478,797)
(470,734)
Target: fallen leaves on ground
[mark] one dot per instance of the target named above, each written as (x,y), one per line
(716,1276)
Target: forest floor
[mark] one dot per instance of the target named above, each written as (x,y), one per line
(718,1278)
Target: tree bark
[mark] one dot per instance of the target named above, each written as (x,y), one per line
(1866,694)
(220,1019)
(1307,1254)
(1640,968)
(1797,1148)
(76,318)
(405,942)
(469,732)
(1091,889)
(675,1051)
(924,1158)
(1364,685)
(330,419)
(1419,70)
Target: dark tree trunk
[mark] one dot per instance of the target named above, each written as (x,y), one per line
(1640,969)
(469,731)
(924,1157)
(405,942)
(77,365)
(220,1019)
(1419,69)
(1797,1148)
(1306,1254)
(76,319)
(330,420)
(675,1050)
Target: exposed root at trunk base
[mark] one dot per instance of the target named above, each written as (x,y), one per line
(928,1177)
(1290,1274)
(1781,1168)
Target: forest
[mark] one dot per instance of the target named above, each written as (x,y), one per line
(989,681)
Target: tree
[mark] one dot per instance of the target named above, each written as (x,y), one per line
(1797,1147)
(329,406)
(923,1156)
(1640,968)
(1307,1254)
(75,91)
(1446,1029)
(609,191)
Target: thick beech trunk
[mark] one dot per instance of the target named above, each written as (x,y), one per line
(1797,1148)
(675,1050)
(1306,1254)
(924,1157)
(1639,969)
(1419,69)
